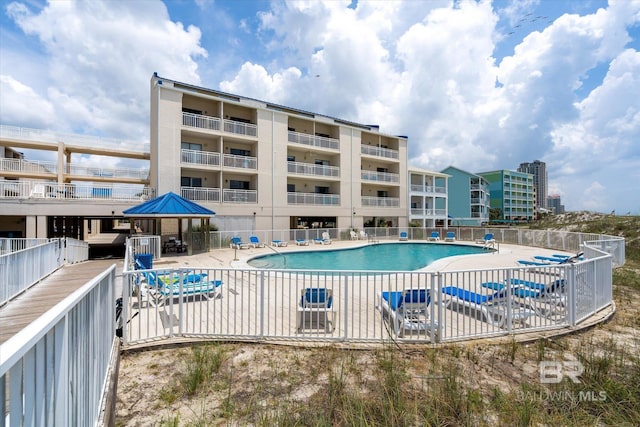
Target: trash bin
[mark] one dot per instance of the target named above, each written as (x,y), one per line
(143,261)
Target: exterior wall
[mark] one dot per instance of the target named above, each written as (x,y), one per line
(513,193)
(211,120)
(461,186)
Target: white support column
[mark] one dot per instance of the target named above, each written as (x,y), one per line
(31,229)
(41,226)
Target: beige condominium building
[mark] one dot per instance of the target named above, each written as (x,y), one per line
(262,166)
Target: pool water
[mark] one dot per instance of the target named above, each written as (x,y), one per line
(378,257)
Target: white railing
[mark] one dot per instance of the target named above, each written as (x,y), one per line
(23,268)
(200,121)
(239,196)
(380,202)
(41,135)
(417,188)
(25,189)
(429,212)
(310,169)
(137,245)
(370,150)
(294,198)
(75,250)
(379,176)
(200,194)
(31,166)
(13,244)
(314,141)
(240,128)
(243,162)
(257,304)
(54,371)
(115,173)
(198,157)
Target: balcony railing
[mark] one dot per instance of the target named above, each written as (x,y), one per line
(380,176)
(41,135)
(417,188)
(300,168)
(242,162)
(78,191)
(200,121)
(200,194)
(108,172)
(314,140)
(24,166)
(240,128)
(197,157)
(239,196)
(379,151)
(380,202)
(313,199)
(429,212)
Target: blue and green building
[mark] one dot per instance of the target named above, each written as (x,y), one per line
(512,193)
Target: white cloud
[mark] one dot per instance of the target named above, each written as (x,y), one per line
(101,57)
(22,106)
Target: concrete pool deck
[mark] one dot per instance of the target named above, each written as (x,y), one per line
(507,255)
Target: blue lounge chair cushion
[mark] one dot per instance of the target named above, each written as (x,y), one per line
(468,296)
(316,296)
(415,296)
(552,287)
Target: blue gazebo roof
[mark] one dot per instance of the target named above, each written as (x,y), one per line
(169,205)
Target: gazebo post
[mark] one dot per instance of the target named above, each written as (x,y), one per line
(190,236)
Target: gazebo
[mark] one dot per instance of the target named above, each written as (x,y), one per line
(172,206)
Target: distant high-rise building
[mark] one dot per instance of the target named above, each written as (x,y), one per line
(539,171)
(554,203)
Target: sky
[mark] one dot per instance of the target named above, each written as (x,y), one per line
(479,85)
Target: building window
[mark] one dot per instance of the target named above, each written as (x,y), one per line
(191,146)
(322,190)
(383,193)
(187,181)
(291,188)
(191,111)
(238,185)
(239,152)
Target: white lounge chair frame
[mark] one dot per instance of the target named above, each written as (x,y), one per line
(410,318)
(315,315)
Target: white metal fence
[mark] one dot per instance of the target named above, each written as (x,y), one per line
(54,371)
(252,304)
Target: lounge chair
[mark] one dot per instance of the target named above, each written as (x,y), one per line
(407,311)
(302,242)
(324,240)
(435,236)
(403,236)
(237,243)
(354,235)
(315,310)
(494,308)
(487,241)
(255,242)
(363,235)
(451,236)
(278,243)
(548,300)
(206,289)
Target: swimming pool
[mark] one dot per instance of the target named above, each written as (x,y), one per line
(382,257)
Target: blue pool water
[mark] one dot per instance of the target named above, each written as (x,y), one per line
(382,257)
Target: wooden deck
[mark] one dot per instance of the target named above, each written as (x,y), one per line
(37,300)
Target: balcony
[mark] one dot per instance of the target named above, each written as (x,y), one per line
(417,188)
(240,162)
(314,141)
(200,121)
(200,194)
(380,176)
(25,189)
(112,173)
(370,150)
(240,128)
(431,213)
(313,199)
(310,169)
(239,196)
(196,157)
(380,202)
(24,166)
